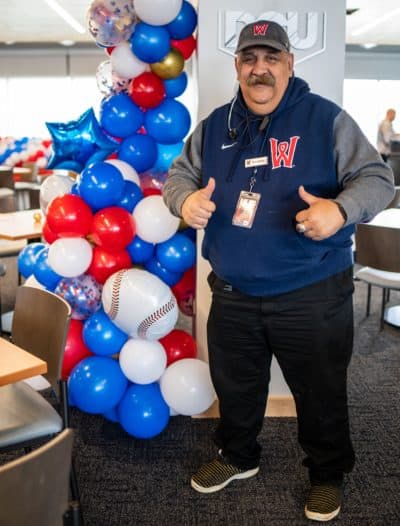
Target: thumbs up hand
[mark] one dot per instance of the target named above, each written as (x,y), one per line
(322,218)
(198,207)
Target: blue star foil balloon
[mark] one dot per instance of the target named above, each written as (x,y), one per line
(78,140)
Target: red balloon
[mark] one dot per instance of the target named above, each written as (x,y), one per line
(147,90)
(113,228)
(186,46)
(151,191)
(69,216)
(75,348)
(48,234)
(184,292)
(178,344)
(106,263)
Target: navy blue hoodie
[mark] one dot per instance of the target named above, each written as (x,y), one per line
(271,257)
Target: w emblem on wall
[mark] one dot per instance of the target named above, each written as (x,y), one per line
(282,153)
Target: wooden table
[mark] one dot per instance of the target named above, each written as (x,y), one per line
(17,364)
(21,225)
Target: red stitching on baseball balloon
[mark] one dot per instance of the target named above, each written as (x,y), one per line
(115,294)
(155,316)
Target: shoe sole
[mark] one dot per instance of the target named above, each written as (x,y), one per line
(321,517)
(213,489)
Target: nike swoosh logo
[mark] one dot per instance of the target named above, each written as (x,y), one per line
(225,146)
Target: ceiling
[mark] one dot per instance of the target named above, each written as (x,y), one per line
(33,21)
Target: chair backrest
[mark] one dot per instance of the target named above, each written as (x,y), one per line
(34,488)
(40,326)
(378,247)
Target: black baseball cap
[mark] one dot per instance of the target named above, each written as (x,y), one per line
(263,33)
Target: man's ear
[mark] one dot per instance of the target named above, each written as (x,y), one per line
(237,66)
(291,63)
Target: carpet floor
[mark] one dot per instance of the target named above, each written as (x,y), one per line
(127,482)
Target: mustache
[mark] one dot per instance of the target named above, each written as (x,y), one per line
(265,80)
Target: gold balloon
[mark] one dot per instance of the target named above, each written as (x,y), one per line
(170,66)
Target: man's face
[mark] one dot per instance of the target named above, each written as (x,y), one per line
(263,74)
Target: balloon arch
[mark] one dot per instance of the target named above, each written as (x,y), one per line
(113,250)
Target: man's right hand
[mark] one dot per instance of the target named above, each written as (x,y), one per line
(198,207)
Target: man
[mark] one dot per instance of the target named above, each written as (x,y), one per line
(386,133)
(282,278)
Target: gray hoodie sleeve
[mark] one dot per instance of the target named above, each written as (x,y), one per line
(184,176)
(366,181)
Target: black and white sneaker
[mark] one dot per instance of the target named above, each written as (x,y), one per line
(323,502)
(217,474)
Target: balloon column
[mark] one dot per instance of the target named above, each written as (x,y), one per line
(114,251)
(15,152)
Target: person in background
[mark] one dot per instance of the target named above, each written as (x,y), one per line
(281,277)
(386,133)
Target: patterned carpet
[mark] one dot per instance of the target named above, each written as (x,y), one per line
(125,481)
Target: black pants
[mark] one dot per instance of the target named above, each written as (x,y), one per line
(310,332)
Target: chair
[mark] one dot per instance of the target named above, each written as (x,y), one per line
(8,201)
(40,325)
(8,248)
(34,488)
(378,250)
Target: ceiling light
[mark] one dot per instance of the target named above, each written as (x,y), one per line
(376,22)
(369,45)
(67,43)
(65,16)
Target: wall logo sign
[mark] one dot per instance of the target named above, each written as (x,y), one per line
(307,31)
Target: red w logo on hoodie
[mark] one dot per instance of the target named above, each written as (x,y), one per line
(282,153)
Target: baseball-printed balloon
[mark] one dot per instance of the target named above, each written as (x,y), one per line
(140,304)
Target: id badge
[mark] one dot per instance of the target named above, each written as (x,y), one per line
(246,208)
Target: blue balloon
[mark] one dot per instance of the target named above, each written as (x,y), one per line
(97,384)
(169,122)
(140,151)
(150,43)
(101,185)
(167,276)
(185,22)
(27,258)
(120,116)
(74,189)
(102,336)
(74,166)
(112,415)
(143,412)
(176,86)
(131,196)
(43,272)
(140,250)
(191,233)
(177,254)
(78,140)
(166,155)
(97,156)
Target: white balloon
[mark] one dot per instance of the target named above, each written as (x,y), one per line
(53,186)
(154,222)
(142,361)
(140,304)
(33,282)
(157,12)
(186,386)
(70,256)
(128,172)
(125,63)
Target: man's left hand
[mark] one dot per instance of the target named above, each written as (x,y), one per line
(321,219)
